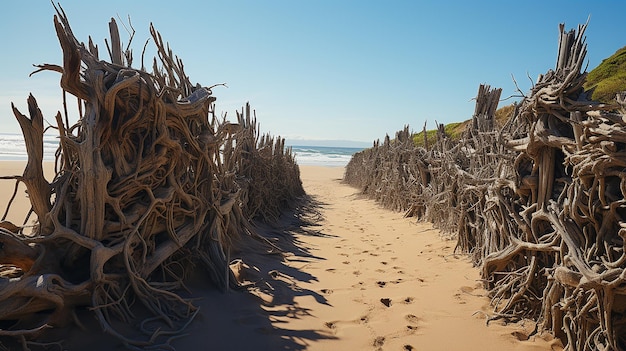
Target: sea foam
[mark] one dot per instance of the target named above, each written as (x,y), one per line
(13,147)
(323,155)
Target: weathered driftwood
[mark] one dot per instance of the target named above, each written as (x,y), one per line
(539,204)
(401,176)
(565,202)
(149,184)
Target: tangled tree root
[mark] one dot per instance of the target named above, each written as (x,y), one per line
(149,184)
(540,203)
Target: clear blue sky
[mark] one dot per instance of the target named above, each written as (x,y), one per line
(331,69)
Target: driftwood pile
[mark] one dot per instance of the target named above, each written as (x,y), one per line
(149,185)
(539,203)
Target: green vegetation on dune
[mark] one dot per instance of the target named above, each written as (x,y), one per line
(504,113)
(608,78)
(453,130)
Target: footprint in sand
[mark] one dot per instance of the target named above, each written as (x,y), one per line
(330,270)
(408,348)
(379,341)
(331,325)
(411,328)
(383,263)
(465,290)
(386,301)
(359,285)
(357,273)
(459,297)
(411,318)
(326,291)
(381,284)
(346,262)
(407,301)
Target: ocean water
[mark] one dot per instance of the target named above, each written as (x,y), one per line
(13,148)
(323,155)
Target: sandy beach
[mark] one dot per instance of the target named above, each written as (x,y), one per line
(21,204)
(358,278)
(391,283)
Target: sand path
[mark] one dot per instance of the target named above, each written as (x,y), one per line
(389,283)
(361,278)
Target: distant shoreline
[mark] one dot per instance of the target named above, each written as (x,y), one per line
(328,143)
(331,153)
(13,148)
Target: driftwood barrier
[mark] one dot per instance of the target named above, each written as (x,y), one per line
(149,184)
(539,203)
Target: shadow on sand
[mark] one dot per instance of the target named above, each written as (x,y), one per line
(257,319)
(253,319)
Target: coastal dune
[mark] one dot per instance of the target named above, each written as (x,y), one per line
(358,277)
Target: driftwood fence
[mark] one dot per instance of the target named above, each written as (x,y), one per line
(539,202)
(148,184)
